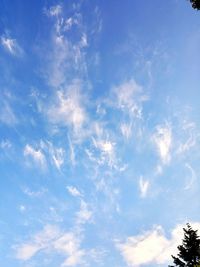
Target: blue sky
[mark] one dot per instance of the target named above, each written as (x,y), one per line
(99,131)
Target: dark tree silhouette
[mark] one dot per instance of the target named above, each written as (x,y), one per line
(189,251)
(195,4)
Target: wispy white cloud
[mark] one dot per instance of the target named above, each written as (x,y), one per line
(7,115)
(72,152)
(105,153)
(36,154)
(27,191)
(192,177)
(58,157)
(56,154)
(67,55)
(52,240)
(68,109)
(159,169)
(66,72)
(69,245)
(11,45)
(144,186)
(5,144)
(27,251)
(152,246)
(163,141)
(188,128)
(69,22)
(129,97)
(46,152)
(84,41)
(103,147)
(99,22)
(22,208)
(74,191)
(126,130)
(39,241)
(53,10)
(98,254)
(84,215)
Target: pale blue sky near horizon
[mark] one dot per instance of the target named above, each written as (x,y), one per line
(99,131)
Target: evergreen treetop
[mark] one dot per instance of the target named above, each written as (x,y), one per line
(195,4)
(189,251)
